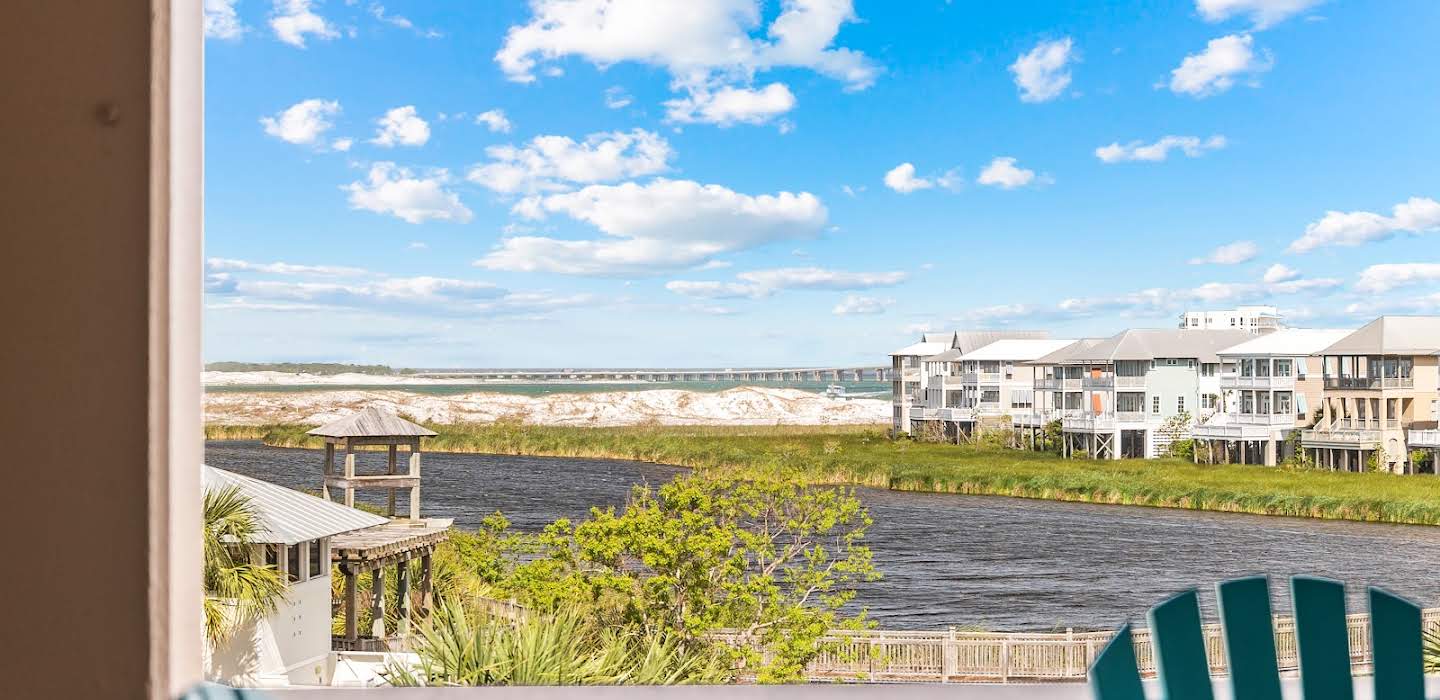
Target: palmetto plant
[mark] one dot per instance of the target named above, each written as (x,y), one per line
(236,589)
(564,648)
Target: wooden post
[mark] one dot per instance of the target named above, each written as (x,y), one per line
(390,469)
(329,470)
(415,472)
(349,473)
(350,624)
(402,592)
(377,603)
(427,584)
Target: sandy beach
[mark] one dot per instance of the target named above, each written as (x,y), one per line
(746,405)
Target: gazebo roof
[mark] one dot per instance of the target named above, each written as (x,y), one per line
(372,422)
(287,516)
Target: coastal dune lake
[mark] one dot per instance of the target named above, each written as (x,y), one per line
(1001,564)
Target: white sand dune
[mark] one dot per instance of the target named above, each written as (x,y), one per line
(746,405)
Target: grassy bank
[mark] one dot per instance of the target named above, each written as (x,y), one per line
(864,456)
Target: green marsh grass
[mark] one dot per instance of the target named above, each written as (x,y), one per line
(864,456)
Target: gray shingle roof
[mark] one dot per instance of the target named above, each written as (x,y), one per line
(1063,354)
(970,341)
(288,516)
(1150,343)
(1391,335)
(371,422)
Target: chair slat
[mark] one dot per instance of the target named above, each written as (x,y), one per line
(1245,617)
(1395,641)
(1115,675)
(1179,645)
(1322,638)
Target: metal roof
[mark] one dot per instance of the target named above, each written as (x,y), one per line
(1017,349)
(1064,353)
(922,349)
(1391,335)
(1288,342)
(970,341)
(950,355)
(371,422)
(1150,343)
(287,516)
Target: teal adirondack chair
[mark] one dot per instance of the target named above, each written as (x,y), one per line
(1321,636)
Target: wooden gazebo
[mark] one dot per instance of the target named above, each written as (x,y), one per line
(372,426)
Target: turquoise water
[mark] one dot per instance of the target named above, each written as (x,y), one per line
(867,390)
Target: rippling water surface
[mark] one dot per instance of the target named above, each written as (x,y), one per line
(995,563)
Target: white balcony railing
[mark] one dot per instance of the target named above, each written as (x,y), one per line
(1423,438)
(1130,382)
(1275,419)
(1097,383)
(1231,380)
(1338,435)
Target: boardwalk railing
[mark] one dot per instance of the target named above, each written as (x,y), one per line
(991,657)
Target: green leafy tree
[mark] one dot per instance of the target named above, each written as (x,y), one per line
(767,557)
(237,590)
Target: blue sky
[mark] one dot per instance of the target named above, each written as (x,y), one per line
(742,182)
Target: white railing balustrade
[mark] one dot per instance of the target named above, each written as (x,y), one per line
(987,657)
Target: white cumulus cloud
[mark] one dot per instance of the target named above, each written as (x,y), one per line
(221,22)
(280,268)
(1262,13)
(1280,272)
(857,304)
(302,123)
(495,120)
(1002,172)
(1192,146)
(391,189)
(1229,254)
(712,49)
(1215,69)
(902,179)
(1353,228)
(550,163)
(727,106)
(656,227)
(617,98)
(401,126)
(1376,279)
(1043,73)
(292,20)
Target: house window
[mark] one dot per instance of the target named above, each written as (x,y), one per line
(1262,368)
(1155,405)
(1282,367)
(1129,402)
(272,556)
(316,564)
(1247,368)
(1283,403)
(1180,404)
(292,562)
(1264,398)
(990,396)
(1247,402)
(1207,401)
(1172,361)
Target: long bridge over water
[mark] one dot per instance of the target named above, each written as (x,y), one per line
(744,374)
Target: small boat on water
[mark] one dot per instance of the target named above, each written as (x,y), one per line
(835,391)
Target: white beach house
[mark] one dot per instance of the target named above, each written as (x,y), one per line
(292,646)
(910,376)
(1380,396)
(967,392)
(1256,319)
(1269,388)
(1131,384)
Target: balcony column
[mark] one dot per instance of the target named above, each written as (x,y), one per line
(1384,411)
(1271,458)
